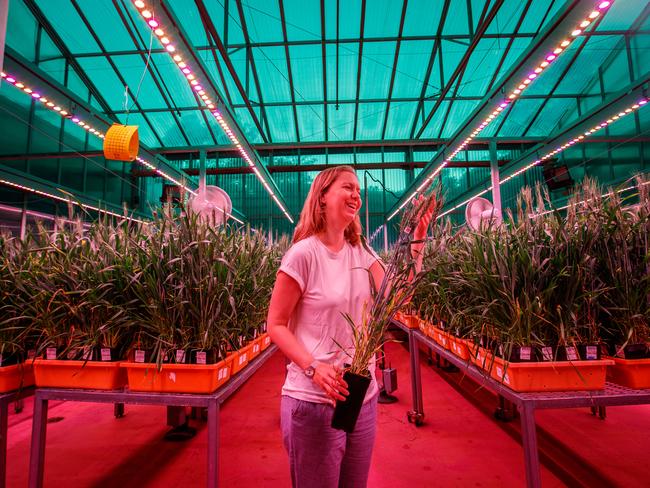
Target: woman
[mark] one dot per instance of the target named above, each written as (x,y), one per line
(325,274)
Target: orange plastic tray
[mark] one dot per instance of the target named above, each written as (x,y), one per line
(412,321)
(240,359)
(552,375)
(441,337)
(266,340)
(95,375)
(458,347)
(256,348)
(633,373)
(177,378)
(16,376)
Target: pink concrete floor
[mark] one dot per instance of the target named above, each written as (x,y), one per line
(459,445)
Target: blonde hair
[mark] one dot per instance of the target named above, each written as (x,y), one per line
(312,218)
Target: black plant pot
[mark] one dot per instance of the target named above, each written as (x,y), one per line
(141,355)
(545,353)
(10,358)
(203,356)
(633,351)
(346,412)
(589,352)
(521,354)
(567,353)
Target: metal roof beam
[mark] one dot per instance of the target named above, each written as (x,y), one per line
(167,17)
(19,66)
(67,55)
(361,41)
(149,64)
(448,37)
(367,100)
(319,167)
(462,65)
(432,57)
(558,27)
(394,70)
(207,21)
(290,75)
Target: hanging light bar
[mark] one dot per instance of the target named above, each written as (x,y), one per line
(524,83)
(604,123)
(204,98)
(67,200)
(54,107)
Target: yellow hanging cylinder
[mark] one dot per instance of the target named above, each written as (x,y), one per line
(121,142)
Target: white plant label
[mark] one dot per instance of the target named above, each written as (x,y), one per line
(180,356)
(201,357)
(106,354)
(524,353)
(547,353)
(571,353)
(592,352)
(88,353)
(50,353)
(139,356)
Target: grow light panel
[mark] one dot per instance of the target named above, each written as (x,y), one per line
(191,75)
(56,107)
(610,120)
(550,57)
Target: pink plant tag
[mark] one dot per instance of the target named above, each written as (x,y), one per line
(180,356)
(50,353)
(106,354)
(139,356)
(571,353)
(201,357)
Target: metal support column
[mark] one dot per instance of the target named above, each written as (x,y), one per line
(202,155)
(23,218)
(494,173)
(417,415)
(529,443)
(4,413)
(213,444)
(4,13)
(37,451)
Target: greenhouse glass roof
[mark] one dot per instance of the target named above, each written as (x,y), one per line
(308,75)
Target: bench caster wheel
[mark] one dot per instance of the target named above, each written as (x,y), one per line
(415,418)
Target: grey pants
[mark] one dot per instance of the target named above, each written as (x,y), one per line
(320,456)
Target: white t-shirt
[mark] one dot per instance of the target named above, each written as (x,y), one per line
(332,283)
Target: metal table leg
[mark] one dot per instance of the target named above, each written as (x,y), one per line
(4,413)
(37,452)
(213,444)
(529,443)
(417,414)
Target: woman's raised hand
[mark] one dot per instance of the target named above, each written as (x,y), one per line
(424,218)
(330,379)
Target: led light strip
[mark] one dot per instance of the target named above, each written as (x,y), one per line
(559,149)
(195,84)
(76,120)
(525,83)
(67,200)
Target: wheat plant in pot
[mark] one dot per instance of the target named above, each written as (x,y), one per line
(393,293)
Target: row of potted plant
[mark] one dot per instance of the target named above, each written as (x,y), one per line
(174,290)
(547,285)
